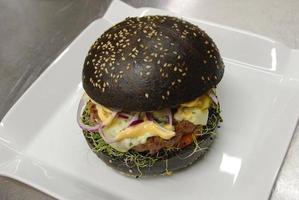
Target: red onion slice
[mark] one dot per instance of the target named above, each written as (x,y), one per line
(213,96)
(123,115)
(98,127)
(107,140)
(170,117)
(81,124)
(149,116)
(134,118)
(138,121)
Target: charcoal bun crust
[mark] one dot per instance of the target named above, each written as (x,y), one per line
(150,63)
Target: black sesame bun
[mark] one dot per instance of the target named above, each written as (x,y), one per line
(150,63)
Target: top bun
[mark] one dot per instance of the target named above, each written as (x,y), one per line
(149,63)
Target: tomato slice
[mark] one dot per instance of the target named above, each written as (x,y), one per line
(186,140)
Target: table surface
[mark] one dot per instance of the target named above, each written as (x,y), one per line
(34,32)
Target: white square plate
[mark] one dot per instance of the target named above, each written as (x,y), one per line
(41,144)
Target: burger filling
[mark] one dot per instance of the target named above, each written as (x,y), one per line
(149,131)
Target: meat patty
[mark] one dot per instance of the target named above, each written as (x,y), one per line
(94,118)
(155,144)
(185,127)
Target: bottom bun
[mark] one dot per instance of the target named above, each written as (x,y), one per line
(165,165)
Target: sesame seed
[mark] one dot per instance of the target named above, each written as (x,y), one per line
(175,69)
(202,78)
(163,97)
(146,95)
(206,42)
(204,61)
(179,80)
(184,74)
(147,73)
(148,66)
(168,92)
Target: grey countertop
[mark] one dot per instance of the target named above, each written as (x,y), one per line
(34,32)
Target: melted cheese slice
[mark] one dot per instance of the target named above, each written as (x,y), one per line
(195,111)
(105,115)
(145,127)
(195,115)
(128,137)
(202,102)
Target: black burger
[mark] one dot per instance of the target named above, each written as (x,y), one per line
(150,105)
